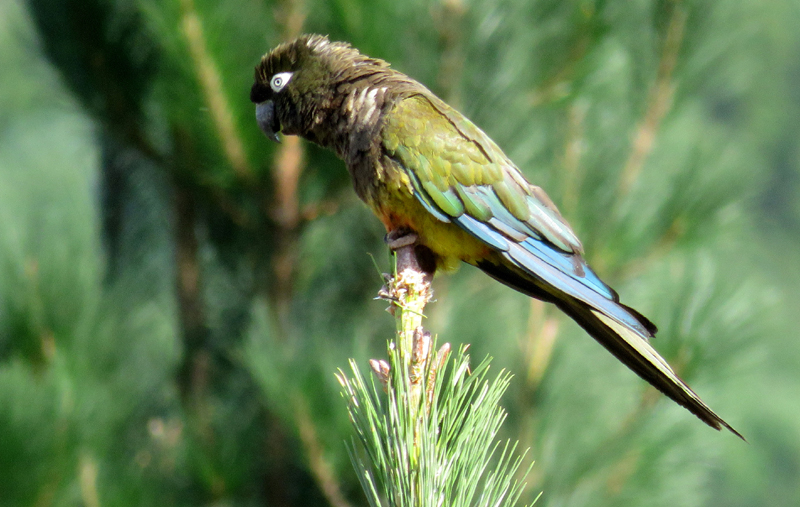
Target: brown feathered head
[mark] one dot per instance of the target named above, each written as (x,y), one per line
(297,83)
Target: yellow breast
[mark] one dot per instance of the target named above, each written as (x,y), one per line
(397,208)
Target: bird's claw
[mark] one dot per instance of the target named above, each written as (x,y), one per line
(400,238)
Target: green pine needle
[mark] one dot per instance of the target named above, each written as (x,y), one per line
(432,453)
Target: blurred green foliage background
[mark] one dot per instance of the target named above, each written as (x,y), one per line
(176,292)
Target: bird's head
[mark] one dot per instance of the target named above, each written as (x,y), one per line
(297,83)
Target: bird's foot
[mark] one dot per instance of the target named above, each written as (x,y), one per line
(400,238)
(404,243)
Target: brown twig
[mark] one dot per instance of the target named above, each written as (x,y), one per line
(192,377)
(289,162)
(659,102)
(537,346)
(573,152)
(211,85)
(542,334)
(622,471)
(657,251)
(411,288)
(286,213)
(87,478)
(287,169)
(559,83)
(321,469)
(291,15)
(194,374)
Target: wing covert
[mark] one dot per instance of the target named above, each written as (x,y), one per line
(455,166)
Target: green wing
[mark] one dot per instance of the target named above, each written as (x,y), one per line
(456,168)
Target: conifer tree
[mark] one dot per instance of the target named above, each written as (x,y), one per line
(176,293)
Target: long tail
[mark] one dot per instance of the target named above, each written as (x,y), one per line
(620,329)
(632,349)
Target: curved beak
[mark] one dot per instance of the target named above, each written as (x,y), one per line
(268,120)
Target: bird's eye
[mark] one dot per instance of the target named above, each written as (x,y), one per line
(279,80)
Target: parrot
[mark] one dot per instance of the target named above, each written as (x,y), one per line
(431,175)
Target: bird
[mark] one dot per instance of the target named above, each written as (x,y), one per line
(431,175)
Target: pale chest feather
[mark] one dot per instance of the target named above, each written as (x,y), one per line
(358,141)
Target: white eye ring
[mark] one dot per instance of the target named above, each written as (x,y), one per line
(279,80)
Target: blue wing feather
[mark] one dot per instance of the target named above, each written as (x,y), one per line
(567,282)
(575,266)
(567,272)
(483,232)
